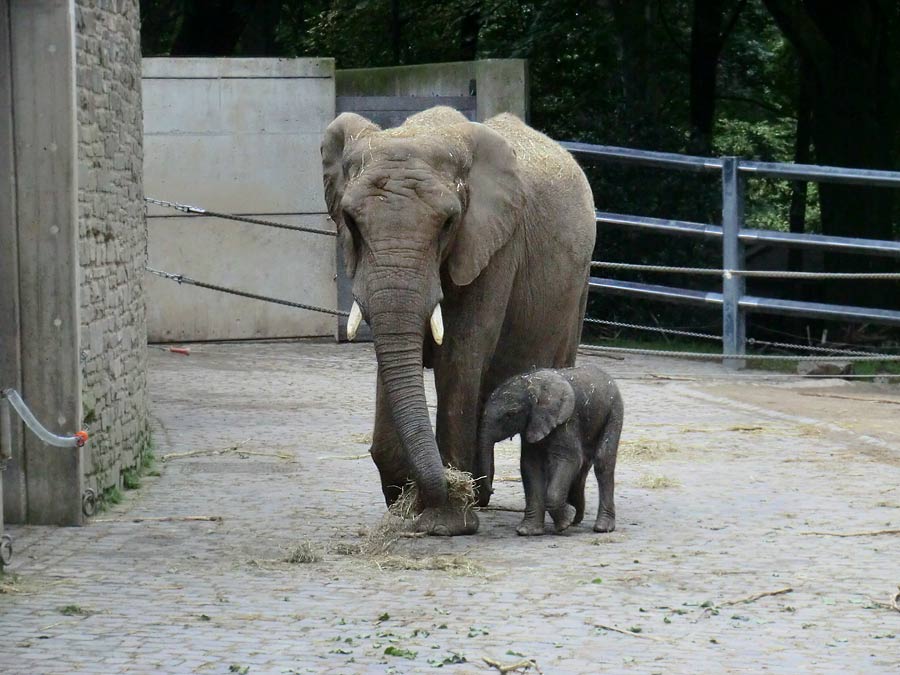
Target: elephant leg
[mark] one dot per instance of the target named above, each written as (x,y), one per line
(535,484)
(605,470)
(387,450)
(576,492)
(462,374)
(564,469)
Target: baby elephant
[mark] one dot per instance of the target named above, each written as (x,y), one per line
(569,419)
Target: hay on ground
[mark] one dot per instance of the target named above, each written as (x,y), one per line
(644,449)
(453,564)
(656,482)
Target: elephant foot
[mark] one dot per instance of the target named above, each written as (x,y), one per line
(605,523)
(564,517)
(530,528)
(447,521)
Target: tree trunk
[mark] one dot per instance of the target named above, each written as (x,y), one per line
(396,33)
(706,45)
(633,21)
(802,139)
(468,32)
(849,47)
(208,28)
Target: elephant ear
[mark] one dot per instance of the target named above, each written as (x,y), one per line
(495,197)
(340,135)
(554,405)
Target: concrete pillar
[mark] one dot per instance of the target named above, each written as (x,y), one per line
(40,223)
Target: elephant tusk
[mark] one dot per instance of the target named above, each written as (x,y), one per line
(437,324)
(353,321)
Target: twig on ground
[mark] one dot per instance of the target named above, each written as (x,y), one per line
(603,626)
(892,401)
(524,664)
(654,376)
(233,449)
(755,597)
(500,508)
(159,519)
(864,533)
(894,603)
(344,456)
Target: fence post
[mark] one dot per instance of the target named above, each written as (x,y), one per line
(734,327)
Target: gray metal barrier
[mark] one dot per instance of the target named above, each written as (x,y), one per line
(733,300)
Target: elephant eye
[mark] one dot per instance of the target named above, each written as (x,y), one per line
(447,223)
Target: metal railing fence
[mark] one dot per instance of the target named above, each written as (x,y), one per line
(733,300)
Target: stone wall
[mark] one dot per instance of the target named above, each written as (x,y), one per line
(112,238)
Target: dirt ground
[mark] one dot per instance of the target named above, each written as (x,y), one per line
(731,491)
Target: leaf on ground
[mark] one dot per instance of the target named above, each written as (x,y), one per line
(399,651)
(449,660)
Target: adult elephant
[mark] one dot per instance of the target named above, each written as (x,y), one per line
(482,231)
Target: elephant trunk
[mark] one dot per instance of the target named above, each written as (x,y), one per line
(398,335)
(487,437)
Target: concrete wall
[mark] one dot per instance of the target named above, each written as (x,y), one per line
(112,247)
(238,136)
(501,85)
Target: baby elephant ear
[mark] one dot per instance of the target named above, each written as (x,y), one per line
(554,406)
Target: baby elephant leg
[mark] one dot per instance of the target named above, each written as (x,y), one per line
(605,470)
(576,492)
(563,474)
(532,464)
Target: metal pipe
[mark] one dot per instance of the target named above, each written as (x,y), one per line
(671,226)
(655,292)
(821,174)
(880,247)
(818,310)
(748,303)
(643,157)
(734,324)
(48,437)
(779,170)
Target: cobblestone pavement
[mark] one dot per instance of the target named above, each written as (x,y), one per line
(723,481)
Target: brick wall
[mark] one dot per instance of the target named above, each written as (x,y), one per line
(112,237)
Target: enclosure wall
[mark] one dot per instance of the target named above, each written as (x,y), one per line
(112,237)
(238,136)
(501,85)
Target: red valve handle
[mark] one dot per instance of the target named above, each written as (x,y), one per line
(81,438)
